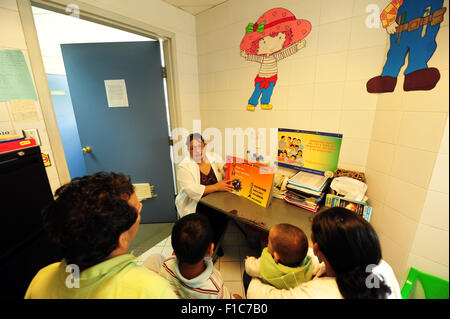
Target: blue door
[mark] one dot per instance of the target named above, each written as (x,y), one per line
(67,125)
(133,140)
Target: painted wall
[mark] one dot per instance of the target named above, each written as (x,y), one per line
(320,88)
(397,139)
(430,247)
(407,170)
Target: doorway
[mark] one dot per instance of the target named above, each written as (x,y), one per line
(79,38)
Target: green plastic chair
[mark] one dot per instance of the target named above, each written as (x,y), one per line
(433,287)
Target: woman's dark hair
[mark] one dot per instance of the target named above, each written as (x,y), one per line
(350,244)
(88,216)
(191,237)
(194,136)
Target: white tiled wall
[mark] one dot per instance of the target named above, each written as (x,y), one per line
(321,88)
(430,247)
(394,138)
(11,37)
(407,172)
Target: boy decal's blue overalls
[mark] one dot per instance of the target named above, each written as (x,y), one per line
(416,35)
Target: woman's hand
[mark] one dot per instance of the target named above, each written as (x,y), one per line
(224,186)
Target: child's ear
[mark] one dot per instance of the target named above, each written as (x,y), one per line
(123,241)
(315,249)
(276,256)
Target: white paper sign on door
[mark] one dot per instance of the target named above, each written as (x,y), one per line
(116,92)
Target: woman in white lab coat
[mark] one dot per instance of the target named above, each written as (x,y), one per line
(199,174)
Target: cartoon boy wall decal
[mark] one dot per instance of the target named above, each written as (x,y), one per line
(276,35)
(412,26)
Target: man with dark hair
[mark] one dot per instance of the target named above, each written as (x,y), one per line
(93,220)
(191,271)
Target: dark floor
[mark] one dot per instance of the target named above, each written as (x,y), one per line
(149,235)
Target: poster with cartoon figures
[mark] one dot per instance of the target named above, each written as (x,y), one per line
(412,26)
(276,35)
(315,152)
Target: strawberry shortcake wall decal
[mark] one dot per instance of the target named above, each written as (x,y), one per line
(276,35)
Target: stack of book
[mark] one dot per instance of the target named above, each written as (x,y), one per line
(307,190)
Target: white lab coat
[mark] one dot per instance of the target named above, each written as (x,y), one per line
(190,189)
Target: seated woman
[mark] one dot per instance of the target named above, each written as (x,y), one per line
(352,266)
(93,220)
(199,174)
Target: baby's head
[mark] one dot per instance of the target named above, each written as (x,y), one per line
(287,244)
(192,238)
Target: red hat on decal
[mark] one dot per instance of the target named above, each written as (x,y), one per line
(271,23)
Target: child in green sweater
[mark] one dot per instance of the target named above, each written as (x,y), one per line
(286,261)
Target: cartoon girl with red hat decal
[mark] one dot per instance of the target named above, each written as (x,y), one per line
(276,35)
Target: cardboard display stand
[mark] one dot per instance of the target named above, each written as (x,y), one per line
(251,180)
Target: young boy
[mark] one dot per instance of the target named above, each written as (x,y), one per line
(191,272)
(287,261)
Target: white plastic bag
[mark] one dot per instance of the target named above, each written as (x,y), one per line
(350,188)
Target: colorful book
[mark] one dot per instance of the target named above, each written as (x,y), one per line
(300,197)
(302,203)
(251,180)
(361,208)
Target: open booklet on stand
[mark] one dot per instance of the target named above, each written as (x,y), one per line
(252,180)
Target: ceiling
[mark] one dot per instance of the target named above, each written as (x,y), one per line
(194,7)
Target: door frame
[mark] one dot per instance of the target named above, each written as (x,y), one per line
(100,16)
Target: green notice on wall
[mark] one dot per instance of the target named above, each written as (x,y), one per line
(15,77)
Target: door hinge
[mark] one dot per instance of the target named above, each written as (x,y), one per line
(170,141)
(164,72)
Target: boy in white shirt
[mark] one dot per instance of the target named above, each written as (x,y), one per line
(190,271)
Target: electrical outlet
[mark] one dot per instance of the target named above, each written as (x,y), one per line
(32,133)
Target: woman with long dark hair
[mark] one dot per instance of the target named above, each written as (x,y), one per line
(352,266)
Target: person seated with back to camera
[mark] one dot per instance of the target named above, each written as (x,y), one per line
(93,220)
(190,270)
(352,266)
(286,262)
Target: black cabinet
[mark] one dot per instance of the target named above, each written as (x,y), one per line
(24,192)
